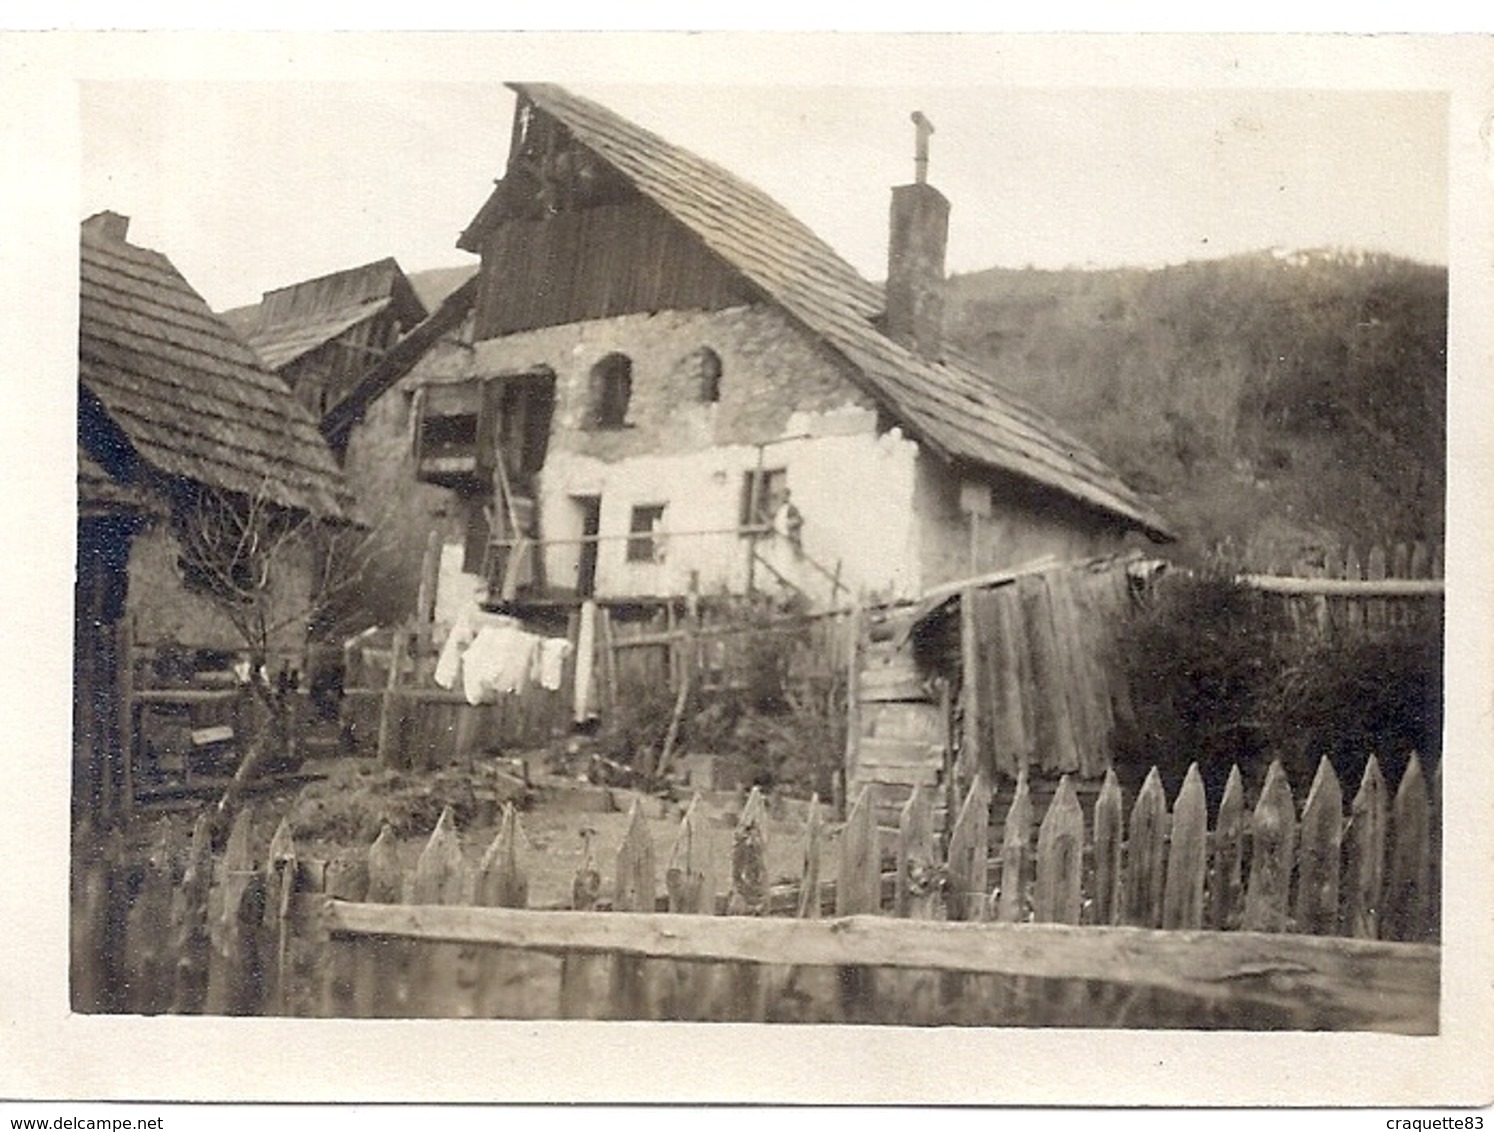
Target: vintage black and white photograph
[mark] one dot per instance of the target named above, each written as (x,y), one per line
(908,553)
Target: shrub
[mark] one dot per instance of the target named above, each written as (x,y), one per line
(1219,675)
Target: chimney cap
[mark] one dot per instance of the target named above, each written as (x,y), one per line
(108,224)
(922,128)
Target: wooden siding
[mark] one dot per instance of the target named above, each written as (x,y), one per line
(597,263)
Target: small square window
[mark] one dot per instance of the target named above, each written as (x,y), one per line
(645,543)
(762,492)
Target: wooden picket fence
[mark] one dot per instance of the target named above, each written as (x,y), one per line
(1346,595)
(1100,931)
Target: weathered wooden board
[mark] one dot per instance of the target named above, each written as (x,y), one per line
(1146,855)
(1364,867)
(900,752)
(967,886)
(1240,979)
(1226,880)
(904,720)
(1273,847)
(1408,875)
(1187,856)
(1320,854)
(1060,859)
(1109,822)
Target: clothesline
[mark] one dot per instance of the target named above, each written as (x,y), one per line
(491,656)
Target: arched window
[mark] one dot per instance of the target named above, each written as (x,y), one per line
(705,367)
(611,386)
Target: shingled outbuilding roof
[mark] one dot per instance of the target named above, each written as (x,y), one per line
(188,397)
(948,404)
(291,321)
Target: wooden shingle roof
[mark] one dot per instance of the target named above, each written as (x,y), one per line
(292,321)
(188,395)
(949,404)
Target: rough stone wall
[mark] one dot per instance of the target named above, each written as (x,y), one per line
(400,510)
(874,504)
(691,455)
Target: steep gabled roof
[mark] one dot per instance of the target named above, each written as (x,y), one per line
(188,395)
(950,405)
(292,321)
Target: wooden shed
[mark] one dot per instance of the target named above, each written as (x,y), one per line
(988,678)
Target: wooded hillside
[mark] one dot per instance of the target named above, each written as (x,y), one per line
(1272,404)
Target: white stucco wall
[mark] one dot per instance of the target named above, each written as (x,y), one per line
(779,387)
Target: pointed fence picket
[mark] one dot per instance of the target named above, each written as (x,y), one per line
(1388,588)
(364,936)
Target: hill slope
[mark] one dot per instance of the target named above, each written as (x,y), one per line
(1272,405)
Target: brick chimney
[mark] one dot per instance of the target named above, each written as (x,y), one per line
(915,255)
(108,225)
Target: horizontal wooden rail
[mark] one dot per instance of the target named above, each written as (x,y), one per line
(1361,984)
(1344,587)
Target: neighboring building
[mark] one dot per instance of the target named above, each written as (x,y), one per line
(172,407)
(322,335)
(660,379)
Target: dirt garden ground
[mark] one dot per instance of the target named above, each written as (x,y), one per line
(342,809)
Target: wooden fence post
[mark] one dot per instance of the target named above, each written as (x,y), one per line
(1408,882)
(508,982)
(390,710)
(383,965)
(634,892)
(241,920)
(749,867)
(1016,838)
(1146,855)
(191,943)
(1226,882)
(1365,867)
(580,994)
(346,879)
(748,897)
(1320,854)
(1187,856)
(1353,610)
(858,888)
(809,880)
(501,882)
(1375,614)
(385,874)
(1109,834)
(966,888)
(917,887)
(440,873)
(690,876)
(1273,845)
(443,976)
(280,888)
(1060,858)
